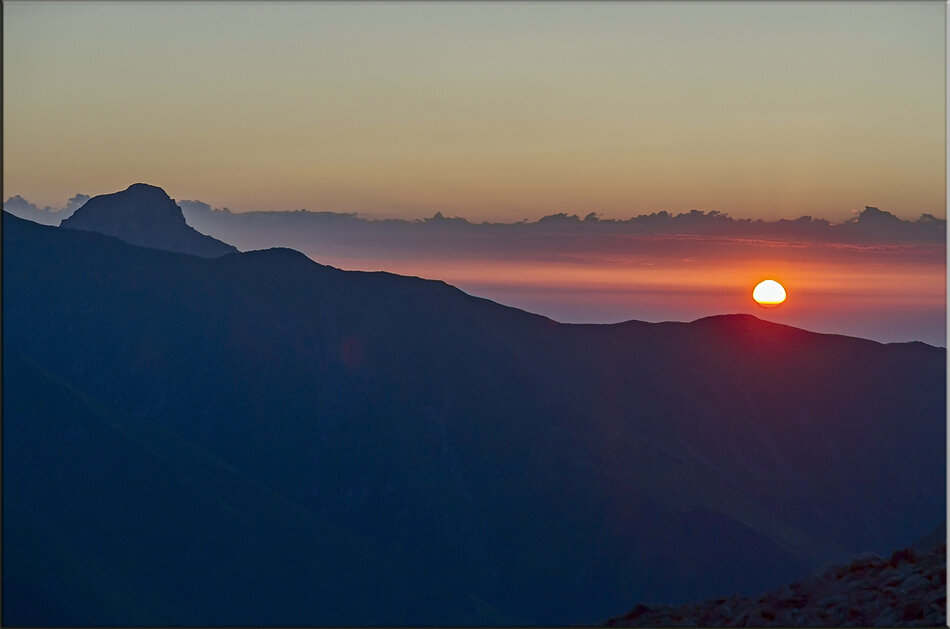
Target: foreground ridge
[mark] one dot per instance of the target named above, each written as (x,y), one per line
(908,589)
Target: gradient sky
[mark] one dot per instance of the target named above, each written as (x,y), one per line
(492,111)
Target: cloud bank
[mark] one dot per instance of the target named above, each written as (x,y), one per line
(563,237)
(18,206)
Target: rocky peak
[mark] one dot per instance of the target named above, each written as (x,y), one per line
(146,216)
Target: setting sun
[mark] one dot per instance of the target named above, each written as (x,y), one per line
(769,293)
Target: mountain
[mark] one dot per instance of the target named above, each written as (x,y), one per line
(144,215)
(156,531)
(907,589)
(499,467)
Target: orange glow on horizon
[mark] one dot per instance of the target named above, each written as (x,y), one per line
(826,294)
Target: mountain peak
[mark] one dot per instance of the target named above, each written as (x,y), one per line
(737,320)
(146,188)
(739,316)
(146,216)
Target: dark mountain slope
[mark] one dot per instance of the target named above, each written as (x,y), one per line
(144,215)
(138,526)
(815,410)
(556,472)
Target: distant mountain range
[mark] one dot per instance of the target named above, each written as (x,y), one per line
(256,438)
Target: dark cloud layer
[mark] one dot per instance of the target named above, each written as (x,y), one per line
(557,237)
(566,237)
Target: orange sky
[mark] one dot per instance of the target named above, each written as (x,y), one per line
(881,301)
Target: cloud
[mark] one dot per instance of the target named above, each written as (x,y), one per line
(18,203)
(74,203)
(871,235)
(874,225)
(568,237)
(18,206)
(195,207)
(558,236)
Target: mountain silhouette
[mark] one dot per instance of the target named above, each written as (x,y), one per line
(146,216)
(169,419)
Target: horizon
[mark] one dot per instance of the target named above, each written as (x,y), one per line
(935,337)
(650,268)
(74,201)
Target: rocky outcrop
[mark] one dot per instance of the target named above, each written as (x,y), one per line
(907,589)
(146,216)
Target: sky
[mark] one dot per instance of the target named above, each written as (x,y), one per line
(491,111)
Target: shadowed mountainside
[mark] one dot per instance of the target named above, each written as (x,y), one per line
(137,526)
(498,466)
(144,215)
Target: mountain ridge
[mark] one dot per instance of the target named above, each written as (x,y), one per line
(291,253)
(554,471)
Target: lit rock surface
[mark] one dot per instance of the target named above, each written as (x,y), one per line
(907,589)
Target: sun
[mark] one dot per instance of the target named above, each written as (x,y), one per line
(769,293)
